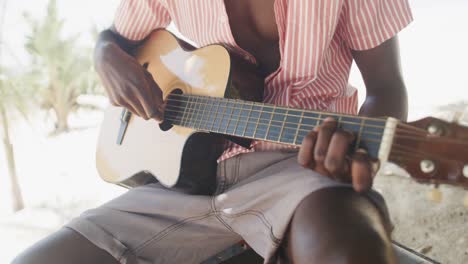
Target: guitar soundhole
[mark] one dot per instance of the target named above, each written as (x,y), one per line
(172,114)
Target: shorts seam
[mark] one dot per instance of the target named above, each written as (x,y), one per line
(163,233)
(216,213)
(260,216)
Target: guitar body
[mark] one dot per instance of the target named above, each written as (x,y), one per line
(176,156)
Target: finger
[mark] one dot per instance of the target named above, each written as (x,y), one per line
(128,107)
(335,160)
(152,101)
(361,171)
(306,153)
(325,133)
(135,104)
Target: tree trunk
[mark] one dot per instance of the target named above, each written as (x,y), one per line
(18,203)
(61,124)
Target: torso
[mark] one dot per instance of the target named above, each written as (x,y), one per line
(254,28)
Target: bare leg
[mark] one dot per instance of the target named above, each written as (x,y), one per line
(337,225)
(64,246)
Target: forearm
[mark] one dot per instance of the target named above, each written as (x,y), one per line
(391,100)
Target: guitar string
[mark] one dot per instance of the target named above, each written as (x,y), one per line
(395,145)
(401,153)
(436,178)
(208,123)
(218,99)
(187,97)
(260,104)
(264,130)
(396,148)
(426,155)
(202,112)
(434,139)
(404,151)
(259,122)
(422,138)
(227,107)
(402,126)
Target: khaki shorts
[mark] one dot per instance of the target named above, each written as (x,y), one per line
(256,196)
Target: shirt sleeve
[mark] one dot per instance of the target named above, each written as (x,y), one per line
(136,19)
(368,23)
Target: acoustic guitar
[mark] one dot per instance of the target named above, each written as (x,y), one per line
(213,94)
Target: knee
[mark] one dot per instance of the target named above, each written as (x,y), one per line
(64,246)
(337,225)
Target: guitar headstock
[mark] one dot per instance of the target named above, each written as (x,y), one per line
(432,151)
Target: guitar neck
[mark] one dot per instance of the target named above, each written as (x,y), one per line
(266,122)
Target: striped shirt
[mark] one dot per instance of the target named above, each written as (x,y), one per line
(315,41)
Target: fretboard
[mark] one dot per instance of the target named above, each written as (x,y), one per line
(266,122)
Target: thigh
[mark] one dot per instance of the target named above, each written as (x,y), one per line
(64,246)
(154,224)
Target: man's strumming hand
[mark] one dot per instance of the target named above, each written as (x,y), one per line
(127,83)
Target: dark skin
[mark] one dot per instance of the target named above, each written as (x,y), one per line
(334,225)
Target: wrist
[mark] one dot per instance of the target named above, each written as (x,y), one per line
(103,52)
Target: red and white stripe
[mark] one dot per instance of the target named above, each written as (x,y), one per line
(315,37)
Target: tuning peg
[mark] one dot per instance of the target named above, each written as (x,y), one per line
(435,195)
(465,201)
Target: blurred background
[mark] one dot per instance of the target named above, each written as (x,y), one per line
(51,105)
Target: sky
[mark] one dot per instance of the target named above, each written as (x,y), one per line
(434,50)
(80,17)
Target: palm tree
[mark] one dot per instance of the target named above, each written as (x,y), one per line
(11,97)
(65,69)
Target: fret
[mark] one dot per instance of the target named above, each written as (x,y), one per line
(263,124)
(195,113)
(190,121)
(244,119)
(216,114)
(238,116)
(252,123)
(374,129)
(220,117)
(197,107)
(298,126)
(282,126)
(358,139)
(225,117)
(203,121)
(258,122)
(185,114)
(173,113)
(277,124)
(318,120)
(350,123)
(209,114)
(234,118)
(372,135)
(310,120)
(269,126)
(290,128)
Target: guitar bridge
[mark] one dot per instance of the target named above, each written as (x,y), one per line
(124,120)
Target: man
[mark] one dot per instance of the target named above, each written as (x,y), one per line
(314,206)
